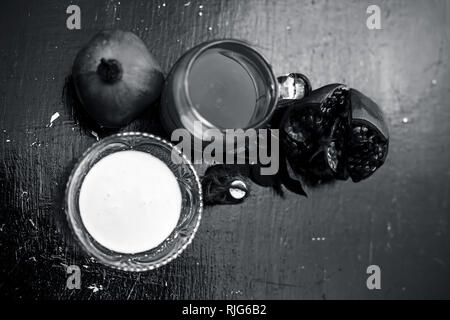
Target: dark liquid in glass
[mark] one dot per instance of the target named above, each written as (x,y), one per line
(223,87)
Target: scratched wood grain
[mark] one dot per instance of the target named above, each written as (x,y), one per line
(266,248)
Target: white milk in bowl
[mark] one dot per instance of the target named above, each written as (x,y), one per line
(130,202)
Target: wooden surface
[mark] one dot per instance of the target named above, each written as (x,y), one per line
(265,248)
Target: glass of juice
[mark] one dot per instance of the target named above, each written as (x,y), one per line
(224,84)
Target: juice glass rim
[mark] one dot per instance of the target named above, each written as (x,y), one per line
(206,46)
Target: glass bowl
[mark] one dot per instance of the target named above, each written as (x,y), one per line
(191,210)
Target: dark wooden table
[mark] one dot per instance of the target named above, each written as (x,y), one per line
(266,247)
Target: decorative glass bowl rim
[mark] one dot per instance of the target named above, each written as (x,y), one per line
(75,175)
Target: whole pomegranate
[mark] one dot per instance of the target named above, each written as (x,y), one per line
(334,133)
(116,77)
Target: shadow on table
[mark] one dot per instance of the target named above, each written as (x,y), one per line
(73,104)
